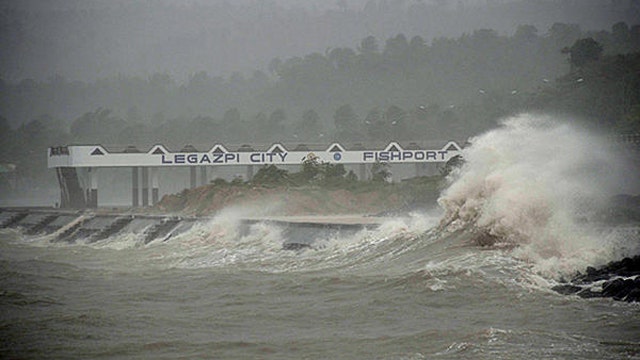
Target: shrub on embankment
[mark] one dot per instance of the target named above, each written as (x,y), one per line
(316,189)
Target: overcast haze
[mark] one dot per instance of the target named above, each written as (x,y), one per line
(136,73)
(88,40)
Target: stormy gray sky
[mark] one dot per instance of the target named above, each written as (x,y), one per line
(91,39)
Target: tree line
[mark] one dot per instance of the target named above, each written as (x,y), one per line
(93,39)
(404,90)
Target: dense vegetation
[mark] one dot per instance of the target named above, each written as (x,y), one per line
(402,90)
(95,39)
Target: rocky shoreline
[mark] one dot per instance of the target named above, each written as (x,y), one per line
(619,280)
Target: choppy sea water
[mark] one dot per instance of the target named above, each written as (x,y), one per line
(397,292)
(471,282)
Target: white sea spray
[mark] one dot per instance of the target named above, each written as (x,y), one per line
(531,185)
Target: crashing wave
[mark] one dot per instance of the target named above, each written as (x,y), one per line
(533,184)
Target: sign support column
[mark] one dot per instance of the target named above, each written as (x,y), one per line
(145,186)
(249,172)
(134,187)
(92,198)
(192,177)
(363,172)
(203,175)
(154,186)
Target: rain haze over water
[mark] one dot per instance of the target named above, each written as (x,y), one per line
(494,256)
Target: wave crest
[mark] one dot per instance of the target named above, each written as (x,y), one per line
(531,184)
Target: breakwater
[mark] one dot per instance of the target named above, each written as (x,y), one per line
(71,226)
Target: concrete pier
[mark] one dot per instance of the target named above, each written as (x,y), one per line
(322,220)
(100,224)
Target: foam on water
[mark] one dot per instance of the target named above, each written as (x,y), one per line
(224,242)
(529,185)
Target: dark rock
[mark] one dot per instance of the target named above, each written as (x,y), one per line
(633,296)
(615,285)
(625,267)
(588,294)
(613,288)
(567,289)
(628,287)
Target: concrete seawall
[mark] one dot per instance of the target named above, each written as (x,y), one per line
(71,226)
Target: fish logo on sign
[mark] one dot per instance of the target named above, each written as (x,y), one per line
(310,157)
